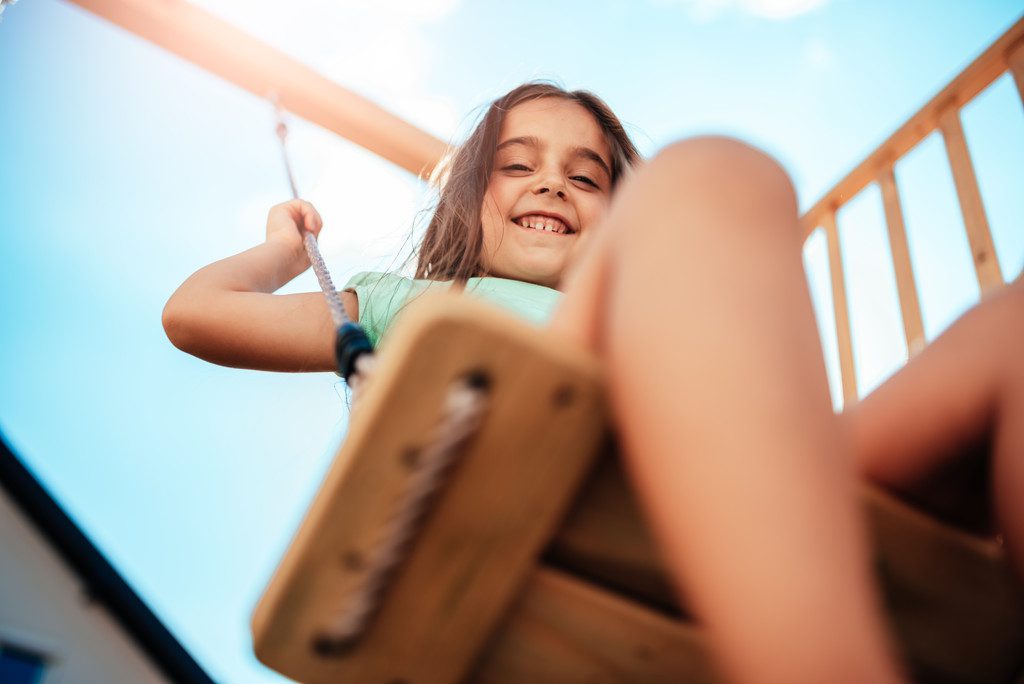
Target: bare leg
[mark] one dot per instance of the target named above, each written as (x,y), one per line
(947,430)
(694,294)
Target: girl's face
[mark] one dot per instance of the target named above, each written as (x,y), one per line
(550,184)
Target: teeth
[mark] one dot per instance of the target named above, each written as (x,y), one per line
(544,223)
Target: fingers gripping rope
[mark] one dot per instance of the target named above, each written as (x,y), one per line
(350,340)
(463,411)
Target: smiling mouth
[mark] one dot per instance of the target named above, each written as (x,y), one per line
(547,224)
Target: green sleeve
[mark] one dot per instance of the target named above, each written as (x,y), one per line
(381,297)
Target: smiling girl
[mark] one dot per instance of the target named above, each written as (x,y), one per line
(525,237)
(690,288)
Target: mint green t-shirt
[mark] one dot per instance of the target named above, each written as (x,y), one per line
(383,295)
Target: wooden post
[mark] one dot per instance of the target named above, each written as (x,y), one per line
(989,66)
(841,311)
(971,207)
(913,328)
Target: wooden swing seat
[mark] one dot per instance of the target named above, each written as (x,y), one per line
(534,564)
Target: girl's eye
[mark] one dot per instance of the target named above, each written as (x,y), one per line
(585,179)
(515,167)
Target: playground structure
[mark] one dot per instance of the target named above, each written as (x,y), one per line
(534,563)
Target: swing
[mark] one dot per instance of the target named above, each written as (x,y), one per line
(533,563)
(475,525)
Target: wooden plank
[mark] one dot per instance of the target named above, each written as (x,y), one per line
(952,598)
(841,311)
(977,76)
(604,539)
(500,505)
(564,630)
(983,250)
(221,48)
(913,327)
(954,602)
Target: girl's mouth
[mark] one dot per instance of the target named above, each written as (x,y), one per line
(540,222)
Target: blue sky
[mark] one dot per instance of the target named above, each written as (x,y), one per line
(123,169)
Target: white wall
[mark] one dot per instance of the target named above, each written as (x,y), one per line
(43,608)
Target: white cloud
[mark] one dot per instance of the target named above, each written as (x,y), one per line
(416,10)
(779,9)
(818,55)
(704,11)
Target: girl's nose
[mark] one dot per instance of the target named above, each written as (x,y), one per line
(548,185)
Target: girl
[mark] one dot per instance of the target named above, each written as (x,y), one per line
(691,289)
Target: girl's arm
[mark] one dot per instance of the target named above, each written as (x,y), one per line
(226,313)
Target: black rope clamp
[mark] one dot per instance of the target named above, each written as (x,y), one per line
(350,343)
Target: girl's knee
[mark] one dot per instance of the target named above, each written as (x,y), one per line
(725,172)
(727,162)
(995,328)
(1011,324)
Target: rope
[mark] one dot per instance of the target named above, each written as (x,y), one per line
(323,276)
(463,410)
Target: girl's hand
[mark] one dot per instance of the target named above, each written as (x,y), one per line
(286,221)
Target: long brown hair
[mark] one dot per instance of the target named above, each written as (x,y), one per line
(451,245)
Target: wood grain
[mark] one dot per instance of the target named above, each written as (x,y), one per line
(983,250)
(563,630)
(910,308)
(841,311)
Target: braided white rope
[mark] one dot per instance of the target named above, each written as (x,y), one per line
(463,410)
(323,276)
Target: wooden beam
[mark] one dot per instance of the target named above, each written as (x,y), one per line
(971,81)
(221,48)
(983,250)
(913,328)
(840,310)
(562,629)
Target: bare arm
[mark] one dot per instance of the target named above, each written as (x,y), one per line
(226,313)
